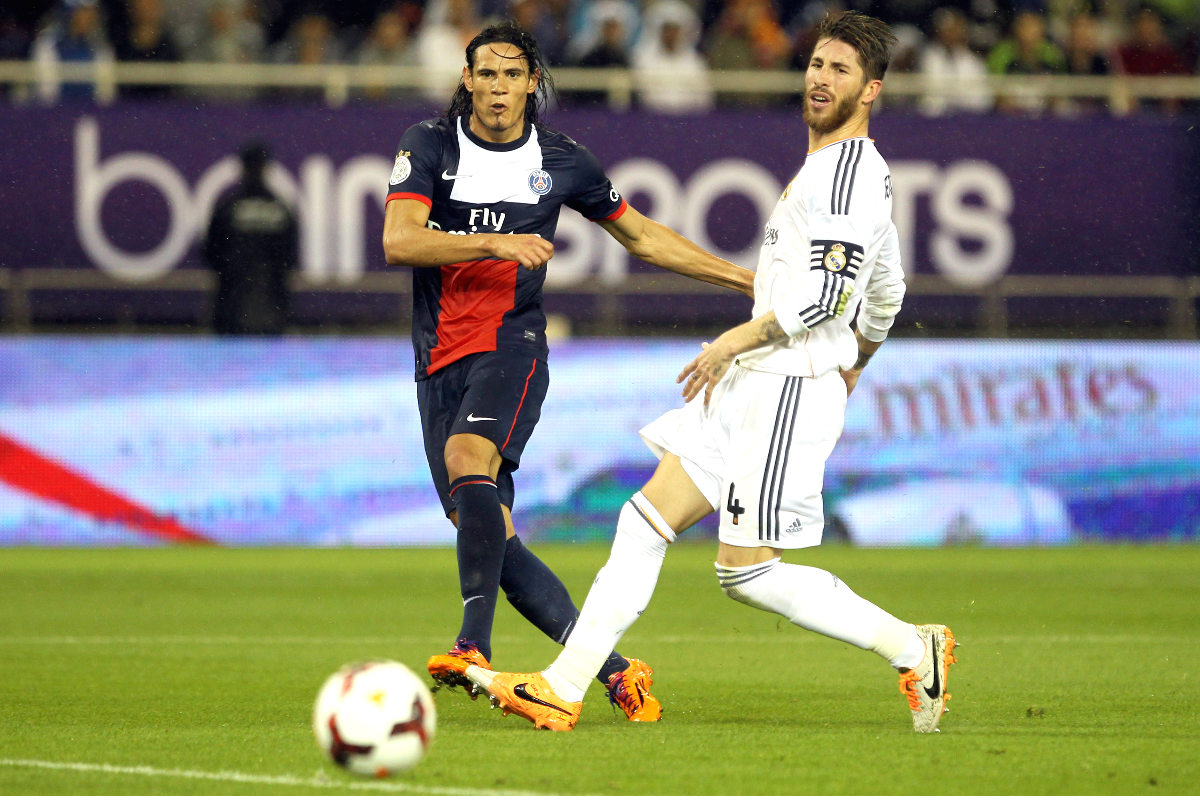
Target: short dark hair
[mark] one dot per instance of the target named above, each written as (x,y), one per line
(871,38)
(508,32)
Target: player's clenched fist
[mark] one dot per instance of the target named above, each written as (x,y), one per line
(529,250)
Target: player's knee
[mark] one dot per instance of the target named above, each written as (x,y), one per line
(473,456)
(747,585)
(729,584)
(642,528)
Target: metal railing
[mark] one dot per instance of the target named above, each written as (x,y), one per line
(339,82)
(992,318)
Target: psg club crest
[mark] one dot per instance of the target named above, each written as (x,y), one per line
(401,169)
(539,181)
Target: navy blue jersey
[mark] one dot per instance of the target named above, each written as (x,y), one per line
(474,186)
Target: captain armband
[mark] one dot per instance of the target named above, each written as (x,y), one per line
(836,256)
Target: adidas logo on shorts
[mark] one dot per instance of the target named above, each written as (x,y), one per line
(795,527)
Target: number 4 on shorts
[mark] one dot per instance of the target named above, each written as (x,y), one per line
(733,506)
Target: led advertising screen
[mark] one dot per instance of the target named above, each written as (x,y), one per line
(317,442)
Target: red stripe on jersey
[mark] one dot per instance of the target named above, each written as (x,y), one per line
(475,297)
(517,414)
(620,210)
(408,196)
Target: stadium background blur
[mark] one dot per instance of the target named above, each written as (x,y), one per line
(1047,173)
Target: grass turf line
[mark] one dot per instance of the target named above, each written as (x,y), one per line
(1076,675)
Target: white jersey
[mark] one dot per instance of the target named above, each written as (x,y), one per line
(828,247)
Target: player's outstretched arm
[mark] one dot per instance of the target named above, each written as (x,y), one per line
(657,244)
(706,370)
(407,241)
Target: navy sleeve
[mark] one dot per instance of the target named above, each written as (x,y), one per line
(415,168)
(595,198)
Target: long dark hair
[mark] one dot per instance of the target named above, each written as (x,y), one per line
(508,33)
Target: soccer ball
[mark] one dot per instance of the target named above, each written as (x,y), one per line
(374,718)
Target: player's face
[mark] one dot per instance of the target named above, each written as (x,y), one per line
(500,86)
(833,86)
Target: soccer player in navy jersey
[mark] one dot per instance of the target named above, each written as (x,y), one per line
(472,206)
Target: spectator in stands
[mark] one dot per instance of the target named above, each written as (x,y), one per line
(253,246)
(539,18)
(311,39)
(147,39)
(232,34)
(611,23)
(910,42)
(1026,52)
(611,49)
(74,33)
(955,75)
(388,45)
(669,72)
(1085,56)
(606,34)
(189,22)
(1082,48)
(442,44)
(748,36)
(1148,52)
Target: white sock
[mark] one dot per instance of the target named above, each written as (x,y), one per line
(818,601)
(618,596)
(912,654)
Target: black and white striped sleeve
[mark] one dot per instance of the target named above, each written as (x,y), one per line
(845,176)
(822,296)
(828,283)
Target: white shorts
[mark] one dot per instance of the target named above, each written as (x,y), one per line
(758,452)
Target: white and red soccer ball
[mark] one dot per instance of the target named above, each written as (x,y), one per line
(375,718)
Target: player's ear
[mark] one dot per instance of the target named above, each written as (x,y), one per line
(534,79)
(466,78)
(871,91)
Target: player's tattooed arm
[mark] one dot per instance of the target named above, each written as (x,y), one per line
(707,369)
(771,331)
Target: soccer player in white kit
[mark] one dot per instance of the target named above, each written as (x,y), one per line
(765,405)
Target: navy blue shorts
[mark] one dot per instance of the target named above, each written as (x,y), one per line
(495,395)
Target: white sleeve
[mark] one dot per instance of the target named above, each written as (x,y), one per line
(885,291)
(827,280)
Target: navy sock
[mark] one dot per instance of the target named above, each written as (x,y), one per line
(536,592)
(614,663)
(480,555)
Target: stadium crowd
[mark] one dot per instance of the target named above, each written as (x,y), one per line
(943,40)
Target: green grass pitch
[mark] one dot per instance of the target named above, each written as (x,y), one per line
(193,671)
